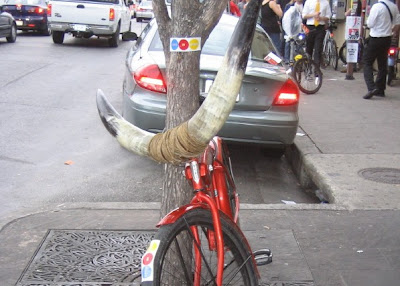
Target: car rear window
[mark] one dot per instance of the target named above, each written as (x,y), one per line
(218,41)
(146,4)
(24,2)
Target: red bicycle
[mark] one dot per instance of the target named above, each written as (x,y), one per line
(201,243)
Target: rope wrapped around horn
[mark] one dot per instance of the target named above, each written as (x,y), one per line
(191,138)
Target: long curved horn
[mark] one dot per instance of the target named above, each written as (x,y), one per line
(129,136)
(214,111)
(190,138)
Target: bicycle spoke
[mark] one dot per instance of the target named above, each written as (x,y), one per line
(180,256)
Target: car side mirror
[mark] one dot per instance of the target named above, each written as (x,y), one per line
(130,36)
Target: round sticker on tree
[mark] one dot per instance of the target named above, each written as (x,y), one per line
(185,44)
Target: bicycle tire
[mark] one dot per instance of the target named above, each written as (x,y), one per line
(333,54)
(177,239)
(390,75)
(342,53)
(307,75)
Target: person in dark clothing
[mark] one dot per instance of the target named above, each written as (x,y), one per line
(270,15)
(283,4)
(383,19)
(317,13)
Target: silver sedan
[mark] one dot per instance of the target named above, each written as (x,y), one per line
(266,107)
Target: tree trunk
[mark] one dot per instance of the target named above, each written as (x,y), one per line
(189,18)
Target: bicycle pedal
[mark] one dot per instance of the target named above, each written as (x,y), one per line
(263,256)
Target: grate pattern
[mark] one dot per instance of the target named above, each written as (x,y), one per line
(83,258)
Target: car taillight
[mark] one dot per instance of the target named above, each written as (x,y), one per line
(392,51)
(150,77)
(288,94)
(111,15)
(49,10)
(39,10)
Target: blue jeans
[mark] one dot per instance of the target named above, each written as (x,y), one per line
(276,40)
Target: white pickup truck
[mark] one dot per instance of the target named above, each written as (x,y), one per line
(87,18)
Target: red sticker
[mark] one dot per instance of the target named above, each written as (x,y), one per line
(183,44)
(147,258)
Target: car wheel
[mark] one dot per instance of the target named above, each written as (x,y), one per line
(113,41)
(138,19)
(13,35)
(58,37)
(46,32)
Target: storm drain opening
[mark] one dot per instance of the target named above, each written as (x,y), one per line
(87,257)
(381,175)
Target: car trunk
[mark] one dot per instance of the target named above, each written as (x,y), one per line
(258,76)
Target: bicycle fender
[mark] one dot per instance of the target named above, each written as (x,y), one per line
(175,214)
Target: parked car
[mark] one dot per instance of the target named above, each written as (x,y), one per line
(29,14)
(8,27)
(133,6)
(144,11)
(266,109)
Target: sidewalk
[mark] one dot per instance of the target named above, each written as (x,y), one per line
(352,241)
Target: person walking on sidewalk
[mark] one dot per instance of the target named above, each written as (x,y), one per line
(383,19)
(270,15)
(317,14)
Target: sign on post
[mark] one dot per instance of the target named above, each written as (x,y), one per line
(352,36)
(353,28)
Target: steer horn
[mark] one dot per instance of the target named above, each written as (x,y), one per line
(191,138)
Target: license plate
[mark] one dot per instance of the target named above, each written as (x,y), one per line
(80,28)
(19,23)
(208,84)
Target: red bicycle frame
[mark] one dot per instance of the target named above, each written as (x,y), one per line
(207,175)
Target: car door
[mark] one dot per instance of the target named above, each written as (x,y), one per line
(125,15)
(5,25)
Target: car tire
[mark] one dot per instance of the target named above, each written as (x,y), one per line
(58,37)
(138,19)
(46,32)
(13,35)
(113,41)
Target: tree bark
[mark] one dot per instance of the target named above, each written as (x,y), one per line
(189,18)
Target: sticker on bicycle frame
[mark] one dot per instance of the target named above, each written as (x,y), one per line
(148,261)
(185,44)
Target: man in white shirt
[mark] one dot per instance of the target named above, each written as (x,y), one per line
(383,19)
(317,13)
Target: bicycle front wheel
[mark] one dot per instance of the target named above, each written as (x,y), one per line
(333,54)
(307,75)
(175,261)
(343,53)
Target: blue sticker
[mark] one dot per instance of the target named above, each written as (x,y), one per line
(174,44)
(146,272)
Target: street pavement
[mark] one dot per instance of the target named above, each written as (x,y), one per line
(347,149)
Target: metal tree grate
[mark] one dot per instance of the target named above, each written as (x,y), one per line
(83,258)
